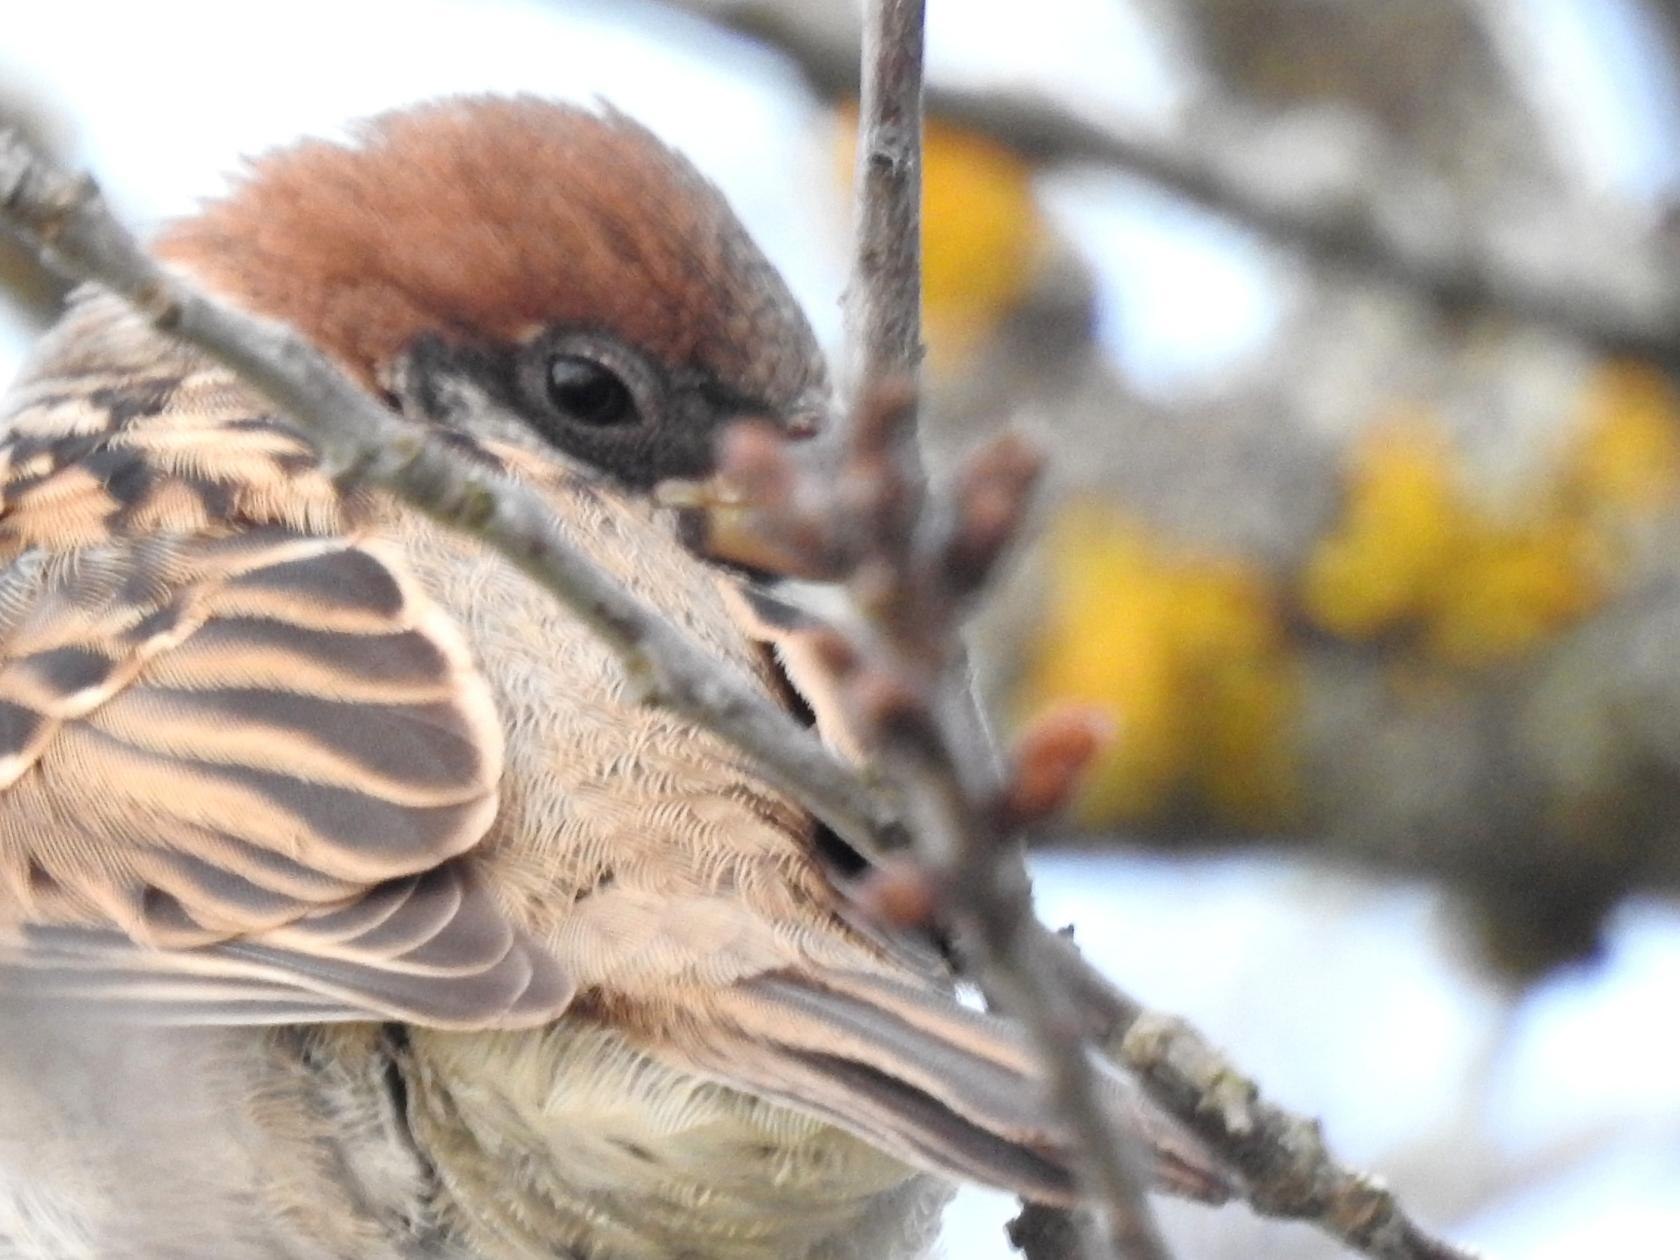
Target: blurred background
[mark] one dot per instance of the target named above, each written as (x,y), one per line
(1350,327)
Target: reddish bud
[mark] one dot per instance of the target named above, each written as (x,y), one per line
(992,493)
(767,512)
(885,704)
(884,416)
(875,586)
(899,893)
(1051,758)
(835,654)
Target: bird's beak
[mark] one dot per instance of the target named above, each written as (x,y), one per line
(714,522)
(715,519)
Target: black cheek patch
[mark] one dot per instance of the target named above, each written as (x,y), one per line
(433,362)
(680,442)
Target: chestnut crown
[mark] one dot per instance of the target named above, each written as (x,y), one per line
(568,261)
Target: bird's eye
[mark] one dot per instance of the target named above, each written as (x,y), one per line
(587,392)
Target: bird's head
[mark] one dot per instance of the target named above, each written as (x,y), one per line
(564,262)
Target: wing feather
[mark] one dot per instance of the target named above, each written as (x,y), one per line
(245,761)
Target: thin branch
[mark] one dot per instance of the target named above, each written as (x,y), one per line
(884,298)
(980,869)
(1337,192)
(66,223)
(988,892)
(33,290)
(1289,1171)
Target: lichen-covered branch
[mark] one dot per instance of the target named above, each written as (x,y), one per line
(1289,1171)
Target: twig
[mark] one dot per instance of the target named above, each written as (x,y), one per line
(1290,1172)
(1337,192)
(33,291)
(884,298)
(988,894)
(977,867)
(65,222)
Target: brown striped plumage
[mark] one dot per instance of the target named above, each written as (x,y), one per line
(533,970)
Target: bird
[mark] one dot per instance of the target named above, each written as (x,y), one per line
(351,903)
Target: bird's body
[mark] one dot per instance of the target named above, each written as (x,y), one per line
(292,1144)
(679,870)
(351,903)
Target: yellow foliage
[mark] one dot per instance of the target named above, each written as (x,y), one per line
(1630,458)
(982,234)
(1413,554)
(1514,588)
(1403,527)
(1185,654)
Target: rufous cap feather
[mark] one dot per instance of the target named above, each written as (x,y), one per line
(490,217)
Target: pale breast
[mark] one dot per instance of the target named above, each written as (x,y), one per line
(573,1139)
(658,863)
(646,850)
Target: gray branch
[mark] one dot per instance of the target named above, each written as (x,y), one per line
(884,298)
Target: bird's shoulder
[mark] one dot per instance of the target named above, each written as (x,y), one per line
(245,759)
(114,431)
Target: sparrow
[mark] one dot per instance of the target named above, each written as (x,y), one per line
(351,904)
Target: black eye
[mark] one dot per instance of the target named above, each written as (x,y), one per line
(588,392)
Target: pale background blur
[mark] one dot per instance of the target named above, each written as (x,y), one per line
(1535,1120)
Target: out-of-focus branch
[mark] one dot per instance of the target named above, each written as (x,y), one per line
(1662,20)
(1515,32)
(1324,185)
(63,220)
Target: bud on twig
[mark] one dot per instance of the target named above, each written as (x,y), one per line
(764,514)
(885,417)
(991,497)
(835,654)
(899,893)
(753,462)
(886,706)
(1051,760)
